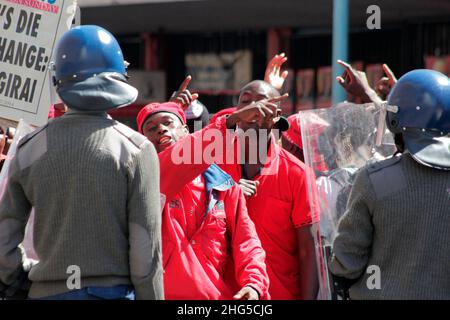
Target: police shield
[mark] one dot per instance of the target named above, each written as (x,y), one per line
(337,141)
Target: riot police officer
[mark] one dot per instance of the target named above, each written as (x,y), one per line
(94,185)
(393,241)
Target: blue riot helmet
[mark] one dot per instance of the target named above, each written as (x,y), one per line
(420,111)
(90,71)
(423,101)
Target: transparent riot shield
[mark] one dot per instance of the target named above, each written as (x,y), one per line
(23,128)
(337,141)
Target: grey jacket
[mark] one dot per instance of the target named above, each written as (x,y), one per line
(94,185)
(397,222)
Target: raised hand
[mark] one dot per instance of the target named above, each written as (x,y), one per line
(183,96)
(355,83)
(272,74)
(384,86)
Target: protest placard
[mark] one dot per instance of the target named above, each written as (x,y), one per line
(29,31)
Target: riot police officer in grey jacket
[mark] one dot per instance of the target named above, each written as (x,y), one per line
(393,241)
(94,185)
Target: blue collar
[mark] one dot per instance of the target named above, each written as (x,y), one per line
(217,179)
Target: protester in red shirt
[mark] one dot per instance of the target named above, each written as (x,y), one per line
(280,209)
(292,139)
(205,226)
(277,200)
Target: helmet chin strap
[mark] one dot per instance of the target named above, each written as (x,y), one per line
(381,128)
(399,143)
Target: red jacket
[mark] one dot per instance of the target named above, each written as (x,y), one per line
(280,206)
(196,267)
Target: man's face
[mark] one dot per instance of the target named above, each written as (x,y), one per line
(249,94)
(163,129)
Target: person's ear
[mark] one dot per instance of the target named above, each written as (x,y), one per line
(186,129)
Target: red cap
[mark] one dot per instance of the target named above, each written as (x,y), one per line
(294,134)
(153,108)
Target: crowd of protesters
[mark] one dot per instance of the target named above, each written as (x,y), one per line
(139,224)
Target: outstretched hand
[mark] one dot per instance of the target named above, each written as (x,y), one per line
(261,111)
(273,69)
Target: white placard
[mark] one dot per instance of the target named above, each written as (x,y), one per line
(29,31)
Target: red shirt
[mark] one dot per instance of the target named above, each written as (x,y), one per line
(280,206)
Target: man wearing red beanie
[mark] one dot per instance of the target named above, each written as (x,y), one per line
(205,225)
(292,138)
